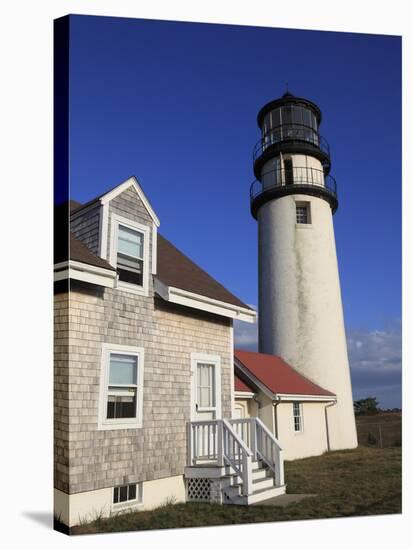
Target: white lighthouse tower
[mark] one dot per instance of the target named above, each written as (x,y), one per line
(300,307)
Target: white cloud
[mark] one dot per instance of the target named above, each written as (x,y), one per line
(375,350)
(375,358)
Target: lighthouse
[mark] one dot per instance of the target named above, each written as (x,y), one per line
(293,200)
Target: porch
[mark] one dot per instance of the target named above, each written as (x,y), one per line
(233,461)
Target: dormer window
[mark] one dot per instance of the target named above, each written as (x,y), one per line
(130,245)
(129,253)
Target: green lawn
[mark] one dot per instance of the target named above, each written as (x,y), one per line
(365,481)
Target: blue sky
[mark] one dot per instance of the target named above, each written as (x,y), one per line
(175,105)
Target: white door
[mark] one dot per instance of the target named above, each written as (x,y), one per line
(206,403)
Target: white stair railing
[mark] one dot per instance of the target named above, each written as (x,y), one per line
(238,456)
(263,444)
(215,441)
(202,442)
(269,450)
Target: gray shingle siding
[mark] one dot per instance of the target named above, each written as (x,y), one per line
(91,459)
(85,226)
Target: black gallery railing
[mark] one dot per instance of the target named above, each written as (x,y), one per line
(295,176)
(290,132)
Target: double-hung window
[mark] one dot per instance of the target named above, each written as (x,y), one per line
(129,253)
(297,417)
(130,262)
(121,387)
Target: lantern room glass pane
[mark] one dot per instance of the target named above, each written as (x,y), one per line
(276,118)
(307,117)
(297,115)
(287,115)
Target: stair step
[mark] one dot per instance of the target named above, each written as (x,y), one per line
(257,475)
(261,484)
(261,473)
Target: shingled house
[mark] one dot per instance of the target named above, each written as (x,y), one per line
(144,390)
(151,401)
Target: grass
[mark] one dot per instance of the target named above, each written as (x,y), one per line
(364,481)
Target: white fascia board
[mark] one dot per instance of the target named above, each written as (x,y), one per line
(86,273)
(246,372)
(131,182)
(303,397)
(196,301)
(103,230)
(244,395)
(154,249)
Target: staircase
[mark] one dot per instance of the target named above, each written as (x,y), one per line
(263,486)
(242,455)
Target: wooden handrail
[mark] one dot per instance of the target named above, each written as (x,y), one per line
(217,441)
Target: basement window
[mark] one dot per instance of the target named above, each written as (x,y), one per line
(127,494)
(297,417)
(303,213)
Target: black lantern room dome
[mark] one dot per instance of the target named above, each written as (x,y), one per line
(290,126)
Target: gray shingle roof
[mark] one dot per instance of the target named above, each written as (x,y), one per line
(173,267)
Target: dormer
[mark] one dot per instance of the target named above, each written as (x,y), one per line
(121,227)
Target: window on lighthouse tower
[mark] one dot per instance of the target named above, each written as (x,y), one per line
(303,213)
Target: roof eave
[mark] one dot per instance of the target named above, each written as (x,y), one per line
(304,397)
(86,273)
(197,301)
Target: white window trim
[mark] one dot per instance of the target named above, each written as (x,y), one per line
(120,423)
(117,220)
(196,358)
(135,503)
(297,432)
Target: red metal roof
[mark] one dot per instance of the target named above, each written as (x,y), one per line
(277,375)
(240,385)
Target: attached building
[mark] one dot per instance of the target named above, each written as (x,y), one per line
(291,406)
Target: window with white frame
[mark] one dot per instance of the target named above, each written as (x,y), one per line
(129,253)
(130,263)
(127,494)
(297,417)
(121,387)
(303,213)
